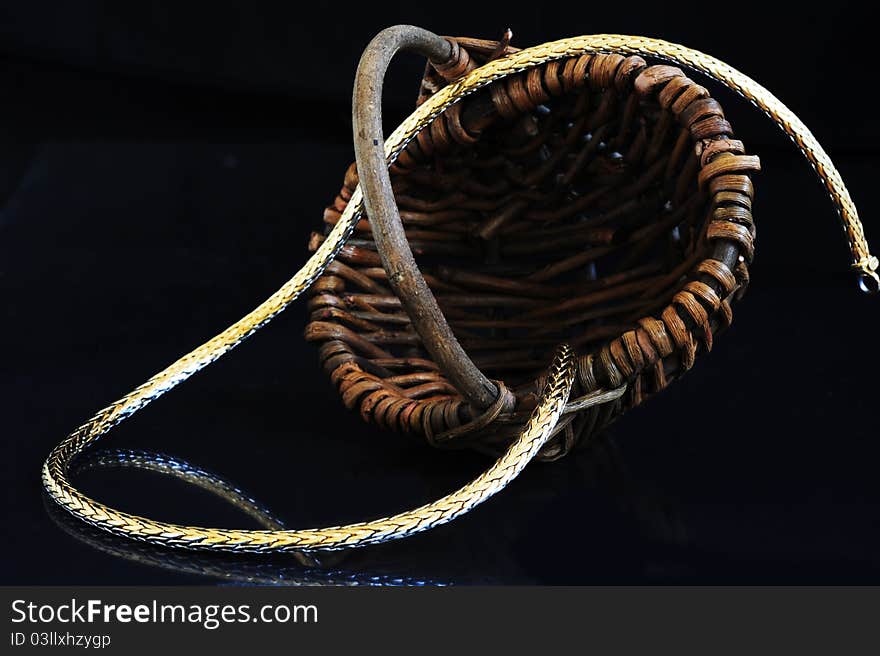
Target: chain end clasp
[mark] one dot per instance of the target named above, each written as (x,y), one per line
(869,281)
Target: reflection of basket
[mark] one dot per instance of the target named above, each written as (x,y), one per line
(595,200)
(569,192)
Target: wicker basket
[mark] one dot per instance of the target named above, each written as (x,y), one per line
(597,200)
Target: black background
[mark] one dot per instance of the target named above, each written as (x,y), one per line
(161,171)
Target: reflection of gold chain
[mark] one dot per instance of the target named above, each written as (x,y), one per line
(546,414)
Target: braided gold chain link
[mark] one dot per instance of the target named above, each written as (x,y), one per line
(540,426)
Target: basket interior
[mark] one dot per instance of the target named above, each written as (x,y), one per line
(565,223)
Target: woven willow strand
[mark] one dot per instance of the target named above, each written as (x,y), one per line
(540,426)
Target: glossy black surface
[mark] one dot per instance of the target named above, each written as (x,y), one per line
(151,197)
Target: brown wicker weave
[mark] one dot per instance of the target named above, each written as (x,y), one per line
(599,201)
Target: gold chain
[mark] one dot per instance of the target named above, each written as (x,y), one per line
(543,420)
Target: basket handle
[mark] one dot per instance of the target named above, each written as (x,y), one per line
(397,258)
(374,155)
